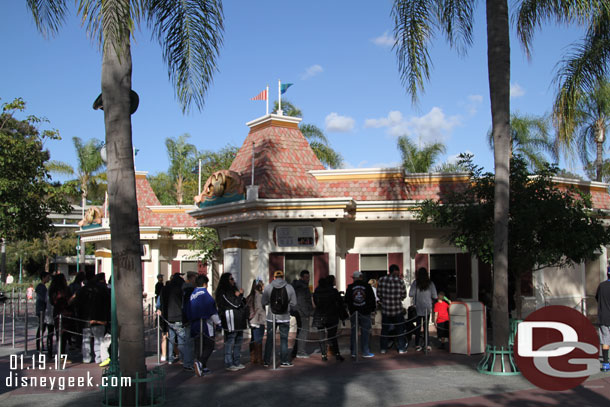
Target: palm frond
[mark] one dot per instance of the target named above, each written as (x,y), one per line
(313,133)
(416,159)
(327,156)
(288,108)
(49,15)
(190,34)
(456,20)
(59,167)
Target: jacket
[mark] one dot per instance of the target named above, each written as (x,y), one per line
(292,299)
(171,299)
(201,306)
(256,309)
(92,302)
(360,297)
(232,310)
(329,304)
(304,305)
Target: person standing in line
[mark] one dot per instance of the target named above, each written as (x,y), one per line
(281,298)
(302,313)
(41,306)
(171,310)
(59,295)
(234,316)
(187,289)
(257,320)
(441,319)
(603,313)
(423,292)
(329,309)
(360,300)
(391,291)
(159,286)
(201,313)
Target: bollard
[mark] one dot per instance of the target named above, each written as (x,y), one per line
(273,341)
(357,342)
(59,336)
(158,341)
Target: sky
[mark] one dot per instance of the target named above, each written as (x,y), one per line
(338,55)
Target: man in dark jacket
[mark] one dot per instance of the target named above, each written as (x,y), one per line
(171,310)
(92,305)
(41,306)
(302,313)
(360,300)
(187,289)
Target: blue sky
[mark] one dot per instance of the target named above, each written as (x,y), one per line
(337,54)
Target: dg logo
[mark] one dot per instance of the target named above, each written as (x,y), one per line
(556,348)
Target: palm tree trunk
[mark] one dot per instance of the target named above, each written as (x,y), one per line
(498,62)
(124,225)
(599,159)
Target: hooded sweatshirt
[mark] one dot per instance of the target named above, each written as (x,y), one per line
(202,306)
(292,299)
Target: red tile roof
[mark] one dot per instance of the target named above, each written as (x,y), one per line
(171,217)
(283,158)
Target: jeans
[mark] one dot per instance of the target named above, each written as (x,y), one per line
(364,323)
(97,331)
(284,327)
(257,334)
(187,349)
(300,344)
(233,342)
(396,323)
(176,332)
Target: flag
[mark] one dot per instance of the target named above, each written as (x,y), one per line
(261,96)
(285,87)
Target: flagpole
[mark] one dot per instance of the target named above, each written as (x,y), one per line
(279,97)
(267,97)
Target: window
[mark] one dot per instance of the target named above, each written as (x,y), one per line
(443,273)
(373,266)
(294,263)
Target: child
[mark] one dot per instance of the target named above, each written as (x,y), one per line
(441,319)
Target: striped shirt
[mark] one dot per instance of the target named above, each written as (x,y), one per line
(391,292)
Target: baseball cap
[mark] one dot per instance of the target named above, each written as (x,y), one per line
(357,274)
(278,273)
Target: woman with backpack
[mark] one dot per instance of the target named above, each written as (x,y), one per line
(233,314)
(329,309)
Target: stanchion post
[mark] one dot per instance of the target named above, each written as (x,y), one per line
(59,336)
(18,301)
(3,319)
(200,336)
(13,301)
(26,333)
(273,341)
(158,340)
(40,331)
(13,315)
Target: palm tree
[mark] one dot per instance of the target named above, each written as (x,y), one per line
(182,158)
(530,138)
(190,34)
(316,137)
(416,159)
(582,69)
(90,168)
(415,22)
(590,119)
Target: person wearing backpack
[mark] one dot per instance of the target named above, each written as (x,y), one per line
(280,297)
(360,298)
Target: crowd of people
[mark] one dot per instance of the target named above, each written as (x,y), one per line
(191,316)
(78,313)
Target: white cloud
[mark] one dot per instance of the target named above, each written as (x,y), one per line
(516,91)
(384,40)
(340,124)
(312,71)
(429,128)
(472,103)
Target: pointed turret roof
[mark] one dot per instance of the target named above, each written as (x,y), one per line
(283,159)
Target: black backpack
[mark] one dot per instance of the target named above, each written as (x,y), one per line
(279,300)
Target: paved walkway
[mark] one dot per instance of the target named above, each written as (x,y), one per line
(414,379)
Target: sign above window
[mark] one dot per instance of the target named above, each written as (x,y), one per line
(297,237)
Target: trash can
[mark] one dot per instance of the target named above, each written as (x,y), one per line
(467,327)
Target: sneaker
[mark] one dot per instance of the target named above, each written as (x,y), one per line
(368,355)
(605,367)
(418,349)
(206,371)
(188,368)
(383,351)
(198,368)
(105,363)
(402,351)
(162,358)
(171,362)
(324,358)
(302,356)
(232,369)
(239,366)
(353,356)
(286,364)
(428,348)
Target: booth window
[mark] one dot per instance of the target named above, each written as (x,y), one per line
(374,266)
(294,263)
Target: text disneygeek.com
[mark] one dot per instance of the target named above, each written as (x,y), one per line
(19,364)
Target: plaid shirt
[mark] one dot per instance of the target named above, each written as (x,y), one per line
(391,291)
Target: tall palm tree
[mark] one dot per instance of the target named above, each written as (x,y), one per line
(530,138)
(589,123)
(190,34)
(90,168)
(417,159)
(182,158)
(415,24)
(314,135)
(588,63)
